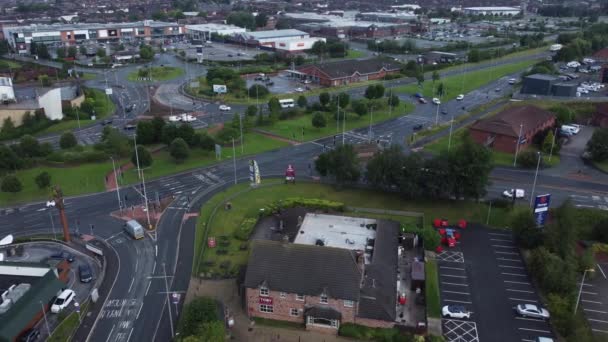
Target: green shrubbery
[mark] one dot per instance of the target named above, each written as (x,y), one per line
(311,203)
(364,333)
(430,236)
(199,319)
(245,228)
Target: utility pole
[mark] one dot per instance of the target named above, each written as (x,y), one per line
(450,138)
(143,181)
(521,127)
(53,225)
(241,126)
(535,177)
(58,197)
(552,144)
(46,322)
(371,116)
(234,160)
(437,115)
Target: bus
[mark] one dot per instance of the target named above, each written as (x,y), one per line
(287,103)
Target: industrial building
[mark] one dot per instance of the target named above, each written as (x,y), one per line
(337,270)
(27,289)
(7,94)
(20,37)
(500,11)
(347,71)
(203,32)
(547,85)
(388,17)
(512,129)
(270,38)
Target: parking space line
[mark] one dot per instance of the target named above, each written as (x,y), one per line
(601,270)
(529,319)
(500,234)
(585,284)
(601,331)
(501,240)
(514,274)
(589,293)
(590,301)
(507,259)
(452,268)
(456,292)
(597,320)
(506,266)
(509,253)
(453,284)
(517,282)
(596,311)
(525,340)
(453,276)
(523,291)
(536,330)
(524,300)
(457,301)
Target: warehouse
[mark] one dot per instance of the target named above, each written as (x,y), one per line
(297,45)
(500,11)
(204,32)
(270,38)
(547,85)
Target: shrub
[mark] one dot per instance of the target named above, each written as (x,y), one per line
(528,159)
(226,134)
(179,149)
(311,203)
(319,121)
(43,180)
(67,140)
(257,90)
(10,183)
(526,234)
(200,310)
(600,231)
(245,229)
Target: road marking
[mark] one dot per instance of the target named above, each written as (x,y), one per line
(517,282)
(139,311)
(530,319)
(524,300)
(454,284)
(510,253)
(503,246)
(505,266)
(523,291)
(452,268)
(154,268)
(525,340)
(601,270)
(598,330)
(596,311)
(128,338)
(457,301)
(453,276)
(536,330)
(506,259)
(590,301)
(504,240)
(597,320)
(585,284)
(456,292)
(130,286)
(148,288)
(514,274)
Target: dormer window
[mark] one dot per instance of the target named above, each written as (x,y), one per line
(323,299)
(264,291)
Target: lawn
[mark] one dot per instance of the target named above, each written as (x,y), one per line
(247,205)
(352,54)
(500,158)
(501,59)
(433,304)
(76,180)
(603,166)
(467,82)
(292,129)
(11,64)
(163,73)
(165,165)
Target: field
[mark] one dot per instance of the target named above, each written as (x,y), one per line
(464,83)
(163,73)
(249,201)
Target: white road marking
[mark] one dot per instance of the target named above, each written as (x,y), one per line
(148,288)
(503,246)
(514,274)
(510,253)
(110,334)
(507,259)
(523,291)
(130,286)
(536,330)
(524,300)
(517,282)
(506,266)
(589,293)
(500,234)
(601,331)
(596,311)
(453,276)
(504,240)
(452,268)
(456,292)
(601,270)
(457,301)
(529,319)
(597,320)
(590,301)
(453,284)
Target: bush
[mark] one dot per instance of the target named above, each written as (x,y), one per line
(319,121)
(430,237)
(316,204)
(257,90)
(67,140)
(195,313)
(528,159)
(10,183)
(226,134)
(71,157)
(526,234)
(245,229)
(600,231)
(179,149)
(360,332)
(43,180)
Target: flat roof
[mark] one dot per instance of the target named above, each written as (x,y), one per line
(6,82)
(88,26)
(336,231)
(213,26)
(498,8)
(333,21)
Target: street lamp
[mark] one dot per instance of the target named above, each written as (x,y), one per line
(521,127)
(535,177)
(116,180)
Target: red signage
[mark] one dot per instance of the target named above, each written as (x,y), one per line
(266,300)
(211,242)
(300,44)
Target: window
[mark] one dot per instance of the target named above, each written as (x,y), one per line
(300,297)
(264,291)
(348,303)
(282,294)
(294,312)
(323,299)
(266,308)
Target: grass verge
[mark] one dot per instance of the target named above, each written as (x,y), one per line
(163,73)
(433,305)
(603,166)
(63,332)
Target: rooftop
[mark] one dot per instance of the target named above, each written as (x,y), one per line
(497,8)
(276,34)
(543,77)
(333,21)
(509,121)
(212,26)
(346,68)
(88,26)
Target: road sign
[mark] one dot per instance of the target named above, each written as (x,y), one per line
(541,209)
(218,151)
(93,249)
(220,88)
(108,91)
(175,297)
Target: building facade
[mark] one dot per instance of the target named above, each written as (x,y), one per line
(500,11)
(347,71)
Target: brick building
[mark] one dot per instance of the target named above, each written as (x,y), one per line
(323,286)
(347,71)
(600,117)
(501,131)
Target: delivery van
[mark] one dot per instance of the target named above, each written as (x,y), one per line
(134,229)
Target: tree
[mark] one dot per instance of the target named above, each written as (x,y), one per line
(29,146)
(211,331)
(273,105)
(343,100)
(549,145)
(198,311)
(10,183)
(158,123)
(385,168)
(251,110)
(341,163)
(261,19)
(318,120)
(43,52)
(45,81)
(9,160)
(242,19)
(359,107)
(101,52)
(319,48)
(560,237)
(61,53)
(257,90)
(186,132)
(82,49)
(528,159)
(43,180)
(324,99)
(179,149)
(393,100)
(144,156)
(72,51)
(374,91)
(473,56)
(146,52)
(302,101)
(8,127)
(525,231)
(4,47)
(597,146)
(419,78)
(145,133)
(469,169)
(114,143)
(206,142)
(435,76)
(169,133)
(67,141)
(440,89)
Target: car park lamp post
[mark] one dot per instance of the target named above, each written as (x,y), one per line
(552,144)
(521,127)
(535,177)
(116,180)
(580,290)
(450,138)
(46,322)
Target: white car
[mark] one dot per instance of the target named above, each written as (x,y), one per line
(307,81)
(63,300)
(531,310)
(460,97)
(573,64)
(224,108)
(455,311)
(512,81)
(436,101)
(188,118)
(174,118)
(519,193)
(299,90)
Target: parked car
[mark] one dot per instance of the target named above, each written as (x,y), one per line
(543,339)
(444,111)
(129,127)
(63,300)
(174,118)
(30,335)
(436,101)
(187,118)
(519,193)
(106,122)
(224,108)
(455,311)
(85,273)
(418,95)
(531,310)
(299,90)
(460,97)
(62,255)
(307,81)
(512,81)
(422,100)
(417,127)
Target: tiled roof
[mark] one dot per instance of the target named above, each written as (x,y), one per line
(347,68)
(509,120)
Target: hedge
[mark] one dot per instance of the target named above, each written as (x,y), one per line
(311,203)
(364,333)
(430,237)
(245,228)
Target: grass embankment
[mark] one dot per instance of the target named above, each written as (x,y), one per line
(63,332)
(465,82)
(165,165)
(433,304)
(292,128)
(163,73)
(247,204)
(603,166)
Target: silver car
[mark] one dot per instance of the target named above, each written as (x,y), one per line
(531,310)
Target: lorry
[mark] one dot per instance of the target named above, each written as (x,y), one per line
(134,229)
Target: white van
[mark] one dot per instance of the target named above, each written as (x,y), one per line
(570,129)
(134,229)
(287,103)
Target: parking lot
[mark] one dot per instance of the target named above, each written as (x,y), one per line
(594,300)
(486,274)
(281,83)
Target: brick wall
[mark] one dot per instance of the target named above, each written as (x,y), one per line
(504,143)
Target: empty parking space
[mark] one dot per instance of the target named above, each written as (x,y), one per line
(594,301)
(460,331)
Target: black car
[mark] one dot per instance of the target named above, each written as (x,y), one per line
(85,273)
(417,127)
(444,112)
(30,335)
(63,255)
(129,109)
(106,122)
(230,55)
(129,127)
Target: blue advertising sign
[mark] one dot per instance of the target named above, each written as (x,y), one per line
(541,209)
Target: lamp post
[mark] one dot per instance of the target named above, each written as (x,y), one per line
(116,180)
(535,177)
(450,138)
(521,127)
(552,144)
(46,322)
